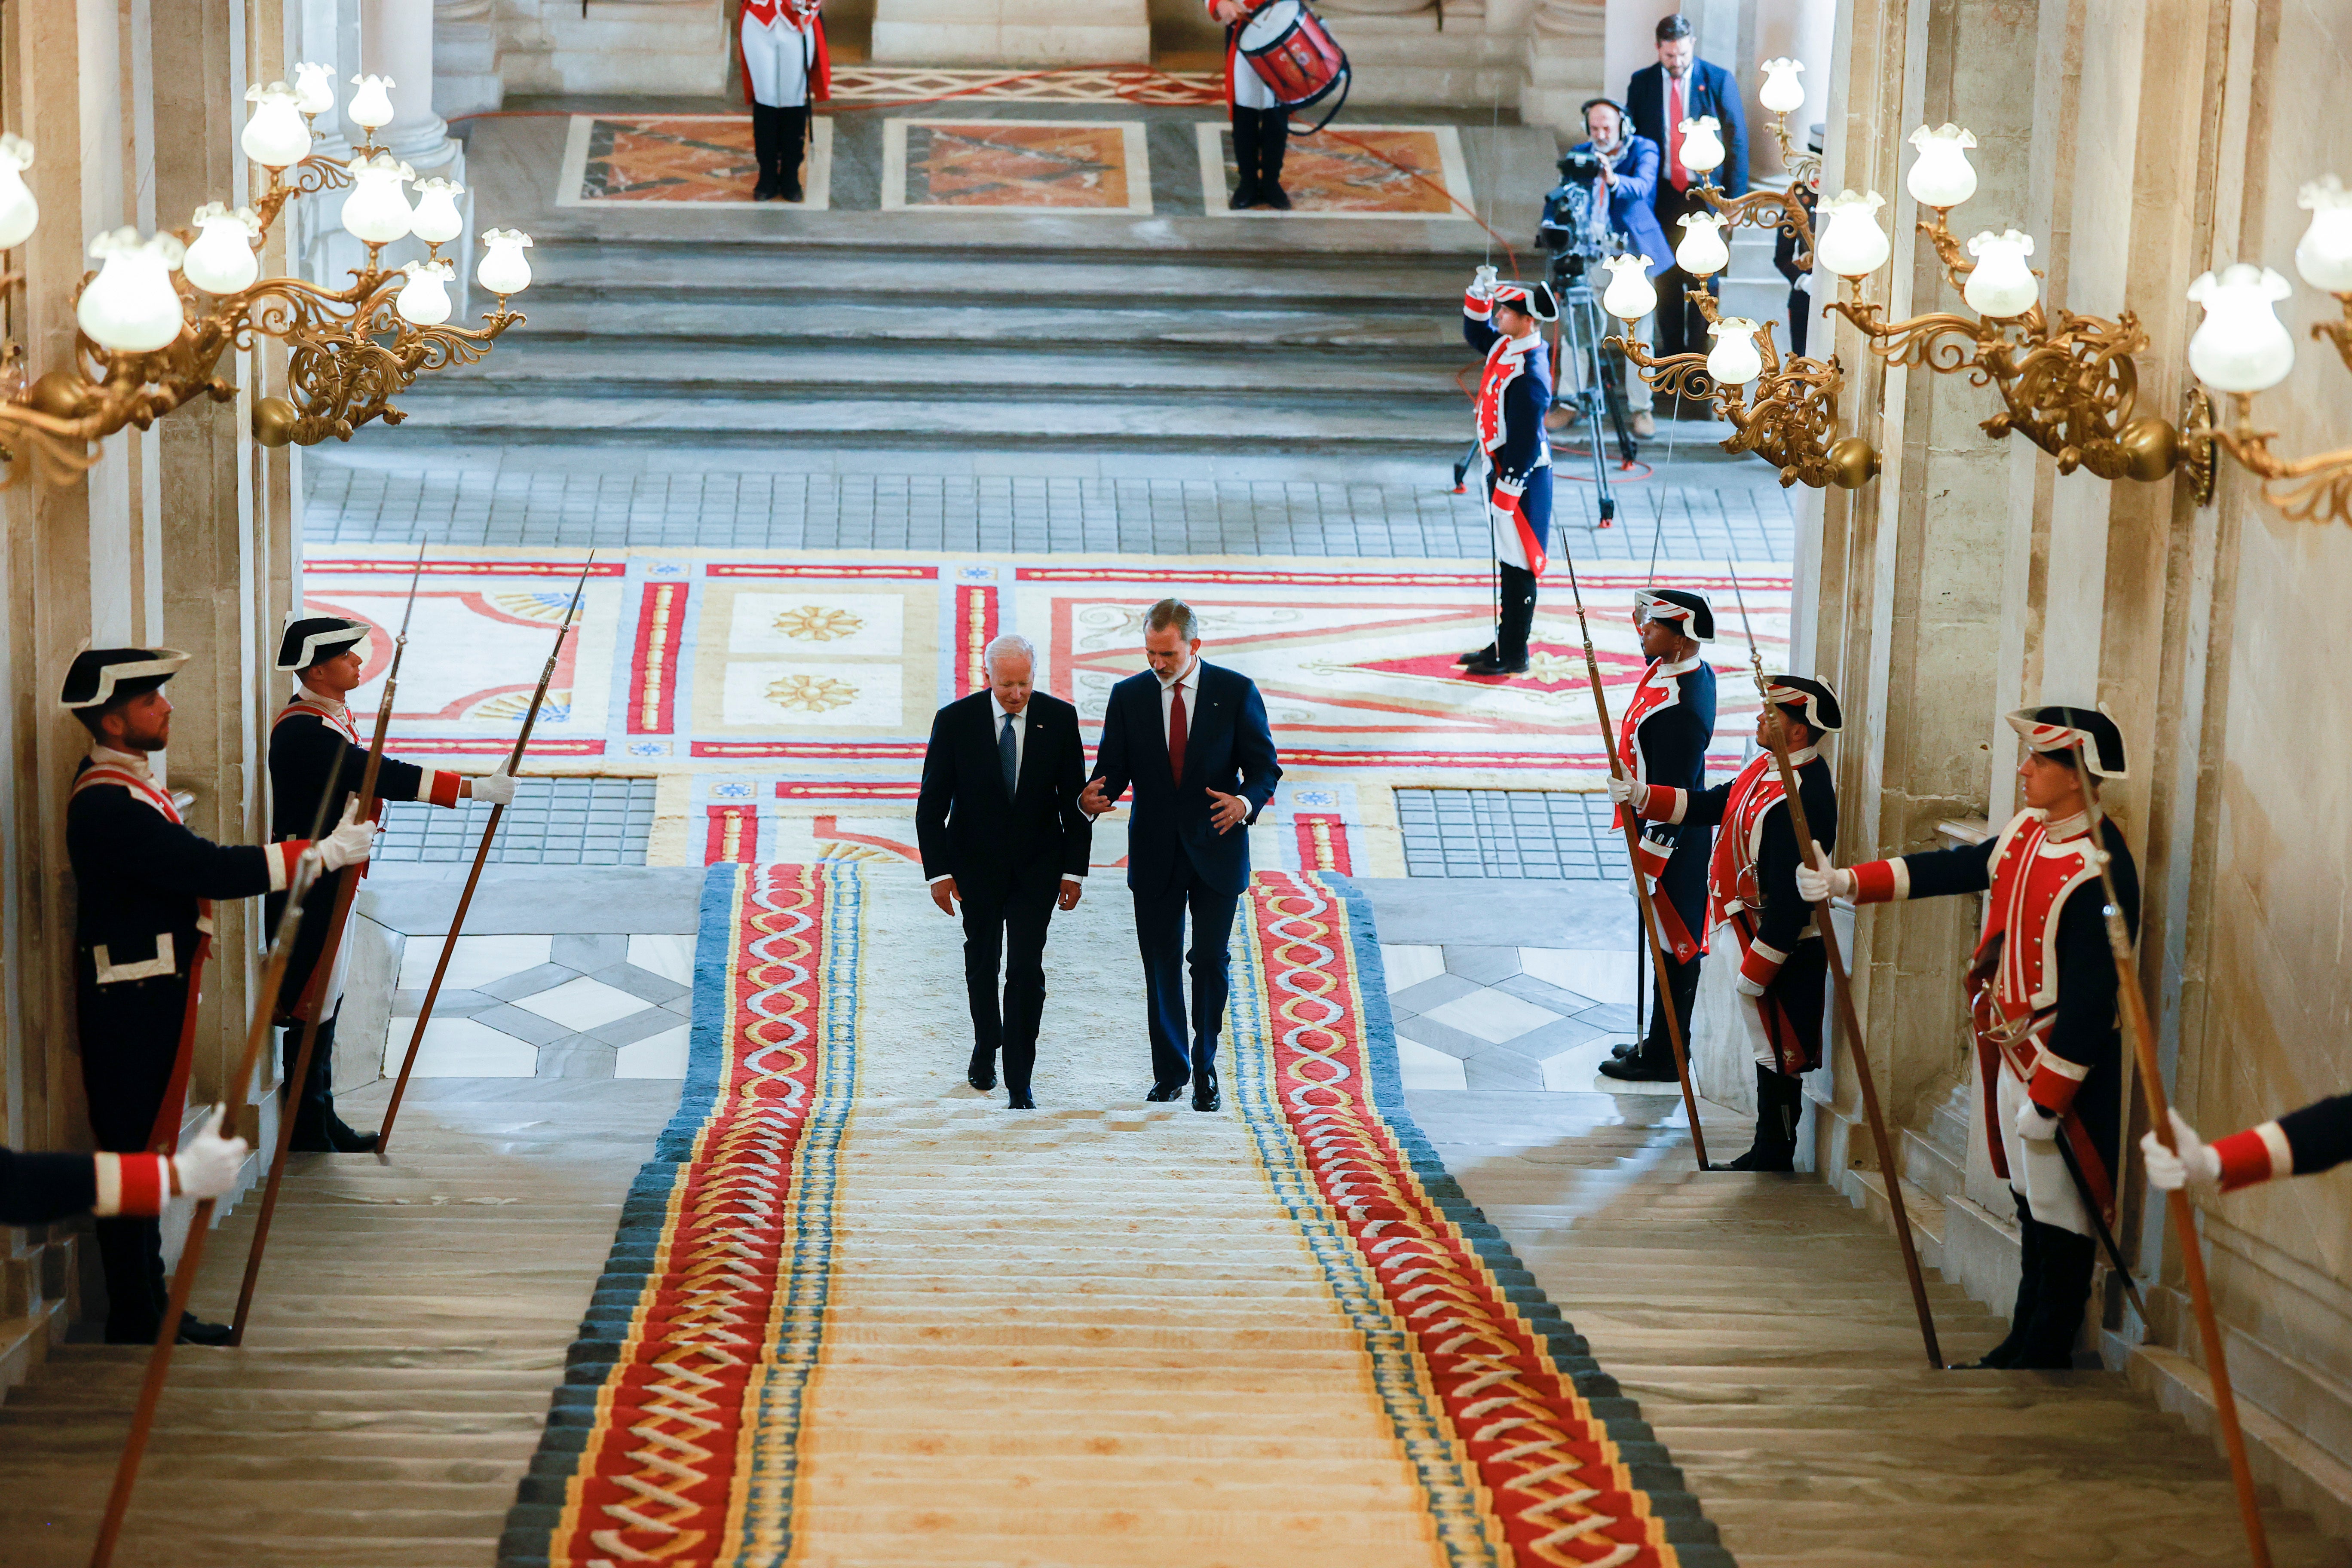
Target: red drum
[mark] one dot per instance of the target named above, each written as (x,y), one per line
(1294,55)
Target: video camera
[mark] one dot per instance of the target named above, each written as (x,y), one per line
(1568,231)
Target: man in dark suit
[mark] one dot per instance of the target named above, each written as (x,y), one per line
(1659,99)
(1000,827)
(1193,741)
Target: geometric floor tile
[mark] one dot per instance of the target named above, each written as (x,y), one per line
(583,1004)
(1411,963)
(533,1006)
(474,961)
(671,956)
(1492,1016)
(1603,975)
(460,1047)
(658,1055)
(1424,1069)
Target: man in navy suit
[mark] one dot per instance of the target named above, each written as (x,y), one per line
(1659,99)
(1193,740)
(1628,180)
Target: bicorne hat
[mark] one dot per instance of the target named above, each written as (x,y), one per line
(2056,728)
(307,639)
(1683,605)
(1535,299)
(1810,699)
(100,675)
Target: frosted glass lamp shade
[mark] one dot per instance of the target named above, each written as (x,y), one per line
(2002,286)
(1630,295)
(424,300)
(1942,175)
(1701,251)
(436,220)
(2324,256)
(314,88)
(2241,345)
(1734,359)
(19,213)
(130,306)
(371,106)
(1782,93)
(275,135)
(1851,244)
(376,213)
(504,268)
(1702,148)
(222,261)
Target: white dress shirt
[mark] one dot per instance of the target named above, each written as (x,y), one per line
(996,717)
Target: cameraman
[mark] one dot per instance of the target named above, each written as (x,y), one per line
(1628,182)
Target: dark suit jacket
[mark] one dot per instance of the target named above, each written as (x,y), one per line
(1228,747)
(1708,90)
(966,827)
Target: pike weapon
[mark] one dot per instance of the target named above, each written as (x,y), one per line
(2184,1218)
(1777,737)
(192,1251)
(2099,1223)
(313,1003)
(1633,860)
(482,858)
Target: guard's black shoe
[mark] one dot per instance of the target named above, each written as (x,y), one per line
(1204,1090)
(765,191)
(1641,1068)
(1245,196)
(1485,653)
(1019,1100)
(1491,663)
(1624,1049)
(1163,1093)
(343,1138)
(194,1330)
(788,189)
(980,1075)
(1275,197)
(1759,1158)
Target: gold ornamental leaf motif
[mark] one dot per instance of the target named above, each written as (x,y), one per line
(819,623)
(811,693)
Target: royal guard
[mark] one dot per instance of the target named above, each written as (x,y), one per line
(37,1188)
(143,928)
(1662,740)
(2042,998)
(785,68)
(1751,887)
(315,747)
(2299,1143)
(1503,322)
(1261,123)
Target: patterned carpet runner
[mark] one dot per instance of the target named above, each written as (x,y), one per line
(859,1313)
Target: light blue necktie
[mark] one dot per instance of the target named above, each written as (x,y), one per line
(1008,757)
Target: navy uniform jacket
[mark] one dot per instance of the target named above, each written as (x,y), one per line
(966,827)
(2300,1144)
(1707,90)
(1663,740)
(1228,747)
(37,1188)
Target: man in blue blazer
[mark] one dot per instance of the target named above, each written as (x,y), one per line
(1659,99)
(1629,181)
(1193,740)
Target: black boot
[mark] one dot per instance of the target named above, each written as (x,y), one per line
(2029,1287)
(1518,617)
(309,1102)
(1274,140)
(2064,1290)
(1779,1101)
(766,142)
(791,140)
(131,1254)
(1245,187)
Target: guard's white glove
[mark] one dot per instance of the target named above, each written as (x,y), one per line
(1482,282)
(498,788)
(2032,1123)
(352,841)
(208,1167)
(2195,1161)
(1629,792)
(1814,885)
(1804,283)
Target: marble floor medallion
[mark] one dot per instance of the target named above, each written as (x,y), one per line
(1022,166)
(705,159)
(1351,171)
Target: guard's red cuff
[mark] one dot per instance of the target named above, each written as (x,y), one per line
(1762,963)
(440,788)
(282,856)
(1474,308)
(2255,1156)
(134,1185)
(2054,1081)
(1881,882)
(1649,857)
(1664,804)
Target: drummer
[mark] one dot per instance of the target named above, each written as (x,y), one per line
(1261,124)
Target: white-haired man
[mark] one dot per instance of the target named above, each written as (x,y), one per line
(1000,827)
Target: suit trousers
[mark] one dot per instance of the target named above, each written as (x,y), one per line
(1159,932)
(131,1036)
(1681,328)
(1007,922)
(312,1106)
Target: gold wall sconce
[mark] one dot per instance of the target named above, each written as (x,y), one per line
(2068,384)
(159,313)
(2242,347)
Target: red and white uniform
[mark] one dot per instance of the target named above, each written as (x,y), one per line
(2300,1144)
(785,61)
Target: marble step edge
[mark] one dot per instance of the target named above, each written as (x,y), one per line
(2307,1477)
(414,435)
(1438,400)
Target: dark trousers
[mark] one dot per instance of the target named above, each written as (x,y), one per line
(1800,311)
(1517,613)
(1008,921)
(1261,136)
(312,1104)
(1800,995)
(1681,328)
(129,1038)
(2053,1287)
(1683,882)
(1160,933)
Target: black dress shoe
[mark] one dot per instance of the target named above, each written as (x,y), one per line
(194,1330)
(1483,654)
(1623,1049)
(1641,1068)
(1019,1100)
(1275,197)
(1491,663)
(1163,1093)
(1245,195)
(1204,1090)
(765,191)
(791,190)
(344,1138)
(982,1078)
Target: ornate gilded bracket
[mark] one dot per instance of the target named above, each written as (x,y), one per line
(1783,210)
(2309,490)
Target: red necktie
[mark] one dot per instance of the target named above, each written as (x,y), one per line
(1676,172)
(1176,734)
